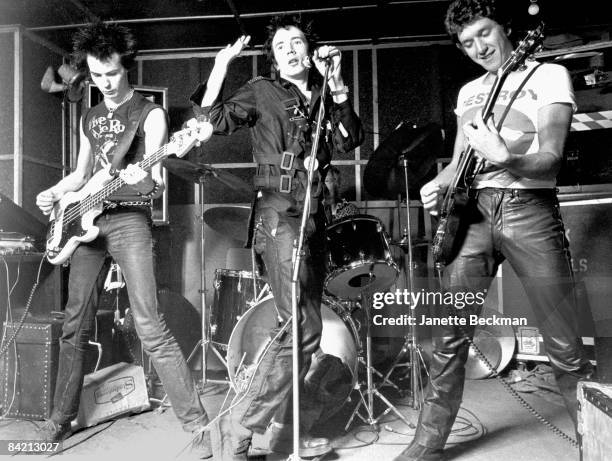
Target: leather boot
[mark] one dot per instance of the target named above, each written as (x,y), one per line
(416,452)
(281,441)
(230,440)
(568,382)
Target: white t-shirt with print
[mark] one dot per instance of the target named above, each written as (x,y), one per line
(549,84)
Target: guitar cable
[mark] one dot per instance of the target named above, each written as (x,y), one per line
(503,381)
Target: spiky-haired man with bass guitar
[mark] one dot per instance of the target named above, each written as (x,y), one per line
(504,208)
(104,214)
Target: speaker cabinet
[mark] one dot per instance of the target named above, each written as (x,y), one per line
(588,224)
(29,369)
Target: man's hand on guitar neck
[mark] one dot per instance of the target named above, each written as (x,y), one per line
(46,199)
(138,178)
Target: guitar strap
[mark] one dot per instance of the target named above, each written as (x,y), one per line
(500,123)
(516,93)
(123,146)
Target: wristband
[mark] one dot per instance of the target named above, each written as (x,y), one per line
(152,193)
(338,92)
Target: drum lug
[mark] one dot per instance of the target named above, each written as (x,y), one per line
(213,329)
(379,227)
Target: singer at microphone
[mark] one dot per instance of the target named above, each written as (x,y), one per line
(279,110)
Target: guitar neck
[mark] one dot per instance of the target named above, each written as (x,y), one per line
(117,183)
(465,160)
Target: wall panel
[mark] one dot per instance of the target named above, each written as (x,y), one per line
(42,125)
(7,120)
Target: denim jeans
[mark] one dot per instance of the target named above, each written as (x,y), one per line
(125,235)
(270,392)
(524,227)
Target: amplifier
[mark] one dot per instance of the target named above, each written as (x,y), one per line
(595,420)
(29,368)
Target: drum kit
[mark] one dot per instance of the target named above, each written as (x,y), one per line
(359,259)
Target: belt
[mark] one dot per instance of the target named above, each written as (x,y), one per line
(543,192)
(109,204)
(287,162)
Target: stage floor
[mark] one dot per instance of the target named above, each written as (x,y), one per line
(492,426)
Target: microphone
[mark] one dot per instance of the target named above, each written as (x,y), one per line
(332,54)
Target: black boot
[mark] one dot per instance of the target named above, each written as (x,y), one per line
(416,452)
(281,441)
(568,382)
(230,440)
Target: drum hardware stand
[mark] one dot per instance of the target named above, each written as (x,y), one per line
(410,348)
(205,342)
(371,390)
(298,254)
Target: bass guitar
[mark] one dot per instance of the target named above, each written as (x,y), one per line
(73,215)
(453,209)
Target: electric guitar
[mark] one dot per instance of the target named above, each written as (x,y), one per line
(451,225)
(73,215)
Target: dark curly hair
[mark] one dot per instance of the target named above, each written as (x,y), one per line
(101,40)
(462,13)
(284,22)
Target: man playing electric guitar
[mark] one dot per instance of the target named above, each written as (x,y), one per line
(107,51)
(512,214)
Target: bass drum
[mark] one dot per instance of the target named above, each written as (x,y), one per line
(233,296)
(333,372)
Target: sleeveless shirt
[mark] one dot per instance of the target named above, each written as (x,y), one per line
(104,133)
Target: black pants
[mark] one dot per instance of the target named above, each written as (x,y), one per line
(524,227)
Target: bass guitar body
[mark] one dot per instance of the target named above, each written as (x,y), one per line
(70,224)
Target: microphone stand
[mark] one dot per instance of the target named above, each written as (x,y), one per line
(297,261)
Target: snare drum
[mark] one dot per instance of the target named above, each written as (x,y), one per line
(234,295)
(359,257)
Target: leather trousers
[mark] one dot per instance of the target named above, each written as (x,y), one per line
(525,228)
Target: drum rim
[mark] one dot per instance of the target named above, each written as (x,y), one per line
(353,331)
(354,217)
(232,373)
(361,262)
(234,273)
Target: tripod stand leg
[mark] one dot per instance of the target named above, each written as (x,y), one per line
(391,407)
(362,401)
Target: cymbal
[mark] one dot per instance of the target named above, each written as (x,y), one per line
(490,347)
(200,172)
(229,220)
(496,342)
(383,176)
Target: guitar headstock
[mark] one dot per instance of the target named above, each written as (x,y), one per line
(196,132)
(528,46)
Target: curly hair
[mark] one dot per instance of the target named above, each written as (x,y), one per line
(101,40)
(284,22)
(462,13)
